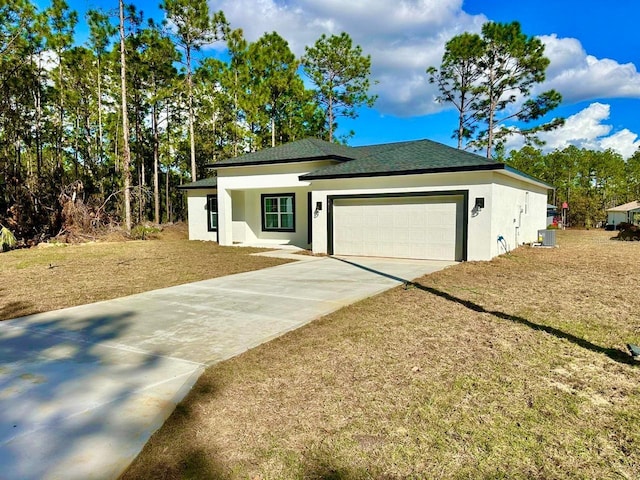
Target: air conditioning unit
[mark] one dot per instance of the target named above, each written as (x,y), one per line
(547,238)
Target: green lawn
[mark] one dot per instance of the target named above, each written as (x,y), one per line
(514,368)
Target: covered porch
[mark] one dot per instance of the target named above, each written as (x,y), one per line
(265,217)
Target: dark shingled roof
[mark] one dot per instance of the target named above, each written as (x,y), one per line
(211,182)
(298,151)
(400,158)
(404,158)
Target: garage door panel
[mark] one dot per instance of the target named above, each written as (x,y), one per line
(404,227)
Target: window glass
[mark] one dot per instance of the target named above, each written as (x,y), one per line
(271,204)
(286,204)
(271,220)
(287,220)
(212,210)
(278,212)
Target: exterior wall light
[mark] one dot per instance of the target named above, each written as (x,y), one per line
(479,205)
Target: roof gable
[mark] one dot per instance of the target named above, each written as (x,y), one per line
(211,182)
(626,207)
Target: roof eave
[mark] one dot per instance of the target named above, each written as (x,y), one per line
(420,171)
(622,211)
(204,187)
(278,162)
(537,181)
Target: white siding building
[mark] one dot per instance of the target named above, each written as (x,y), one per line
(415,199)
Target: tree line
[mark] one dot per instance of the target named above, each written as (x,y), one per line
(103,132)
(489,79)
(589,181)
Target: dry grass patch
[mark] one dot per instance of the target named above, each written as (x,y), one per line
(513,368)
(61,275)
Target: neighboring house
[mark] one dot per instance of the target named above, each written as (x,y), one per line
(552,213)
(629,212)
(416,199)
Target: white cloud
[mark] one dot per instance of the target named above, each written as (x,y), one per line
(586,129)
(624,142)
(403,38)
(579,76)
(407,36)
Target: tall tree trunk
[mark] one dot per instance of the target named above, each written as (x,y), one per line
(59,167)
(139,160)
(192,140)
(214,119)
(166,193)
(167,196)
(491,117)
(330,111)
(39,118)
(75,144)
(461,120)
(235,113)
(126,153)
(273,131)
(99,113)
(156,154)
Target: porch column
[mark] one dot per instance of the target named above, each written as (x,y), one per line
(225,230)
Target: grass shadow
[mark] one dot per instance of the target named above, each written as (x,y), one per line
(613,353)
(321,463)
(196,463)
(190,462)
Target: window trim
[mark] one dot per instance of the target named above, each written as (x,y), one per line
(212,228)
(263,213)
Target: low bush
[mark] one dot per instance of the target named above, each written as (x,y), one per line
(7,239)
(628,232)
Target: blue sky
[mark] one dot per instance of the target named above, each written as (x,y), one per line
(593,47)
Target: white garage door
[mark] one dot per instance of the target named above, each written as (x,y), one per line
(403,227)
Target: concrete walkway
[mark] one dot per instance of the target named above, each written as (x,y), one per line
(82,389)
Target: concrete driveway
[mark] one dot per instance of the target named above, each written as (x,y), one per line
(82,389)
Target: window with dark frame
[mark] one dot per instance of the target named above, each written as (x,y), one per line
(212,213)
(278,212)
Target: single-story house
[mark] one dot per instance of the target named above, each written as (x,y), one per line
(415,199)
(629,213)
(552,213)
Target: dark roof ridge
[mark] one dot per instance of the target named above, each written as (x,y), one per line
(306,149)
(395,146)
(208,182)
(404,158)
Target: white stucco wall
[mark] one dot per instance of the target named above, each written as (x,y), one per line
(197,208)
(239,202)
(518,210)
(514,208)
(476,183)
(502,195)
